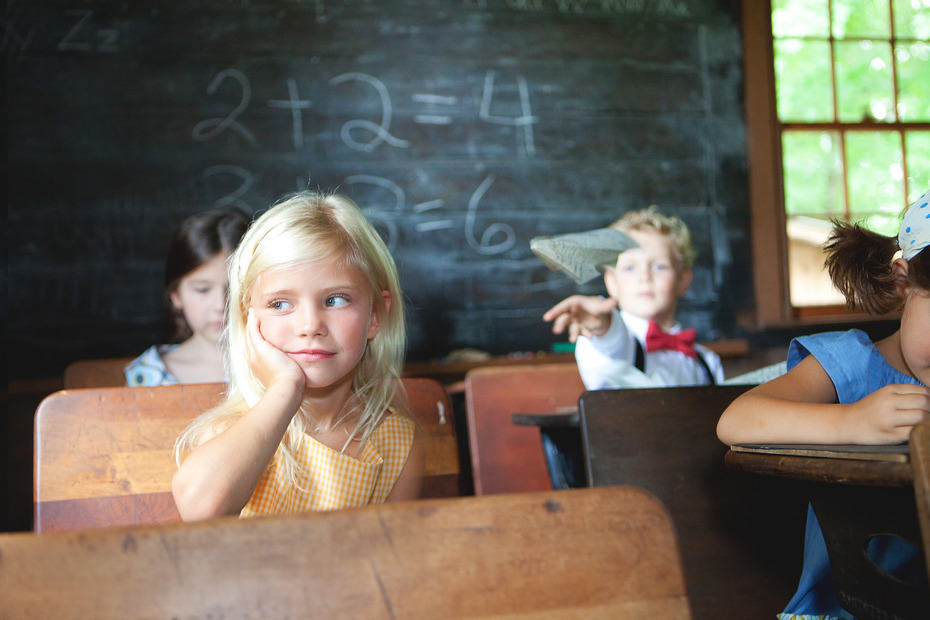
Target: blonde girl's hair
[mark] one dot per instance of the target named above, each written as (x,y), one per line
(859,263)
(670,226)
(304,228)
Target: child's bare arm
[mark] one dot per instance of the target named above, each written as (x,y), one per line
(219,476)
(801,407)
(581,315)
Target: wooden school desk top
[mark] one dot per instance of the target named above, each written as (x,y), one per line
(862,465)
(859,494)
(584,553)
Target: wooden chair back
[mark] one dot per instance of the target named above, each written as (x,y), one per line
(430,404)
(96,373)
(740,535)
(920,461)
(575,554)
(507,458)
(103,456)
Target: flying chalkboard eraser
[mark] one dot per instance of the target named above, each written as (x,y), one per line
(582,256)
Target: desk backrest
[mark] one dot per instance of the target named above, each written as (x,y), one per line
(740,535)
(469,557)
(920,461)
(96,373)
(103,457)
(506,458)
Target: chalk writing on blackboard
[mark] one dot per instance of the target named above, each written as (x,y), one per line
(376,215)
(486,244)
(295,104)
(84,38)
(232,198)
(210,128)
(432,102)
(525,120)
(382,129)
(496,238)
(425,207)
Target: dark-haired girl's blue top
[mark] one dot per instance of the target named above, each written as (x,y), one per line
(857,369)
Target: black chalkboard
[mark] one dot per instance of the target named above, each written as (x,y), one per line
(464,128)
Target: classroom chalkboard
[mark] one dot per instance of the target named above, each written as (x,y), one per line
(463,128)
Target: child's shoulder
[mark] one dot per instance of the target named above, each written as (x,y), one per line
(396,420)
(838,341)
(395,433)
(839,349)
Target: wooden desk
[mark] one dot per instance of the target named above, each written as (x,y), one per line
(856,500)
(740,536)
(559,419)
(865,471)
(585,553)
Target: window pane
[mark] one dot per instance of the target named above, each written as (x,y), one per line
(803,83)
(809,282)
(813,171)
(864,88)
(913,81)
(875,178)
(800,18)
(912,19)
(861,18)
(918,163)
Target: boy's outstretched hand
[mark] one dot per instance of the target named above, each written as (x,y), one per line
(582,315)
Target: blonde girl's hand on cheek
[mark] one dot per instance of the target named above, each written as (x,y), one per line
(269,364)
(887,415)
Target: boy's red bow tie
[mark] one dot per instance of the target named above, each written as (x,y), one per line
(657,339)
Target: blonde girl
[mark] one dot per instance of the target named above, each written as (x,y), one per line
(314,417)
(841,388)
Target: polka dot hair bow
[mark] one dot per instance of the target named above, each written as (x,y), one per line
(915,228)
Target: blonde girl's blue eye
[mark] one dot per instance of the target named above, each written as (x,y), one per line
(336,301)
(280,305)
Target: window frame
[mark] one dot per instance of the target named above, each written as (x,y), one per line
(768,220)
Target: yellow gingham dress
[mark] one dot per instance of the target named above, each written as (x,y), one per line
(334,480)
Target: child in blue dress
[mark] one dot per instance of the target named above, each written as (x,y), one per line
(841,388)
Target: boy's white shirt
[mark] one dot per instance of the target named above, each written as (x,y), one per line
(607,361)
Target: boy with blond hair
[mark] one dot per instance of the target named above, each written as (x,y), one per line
(631,339)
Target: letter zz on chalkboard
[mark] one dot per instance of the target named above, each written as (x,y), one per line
(464,129)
